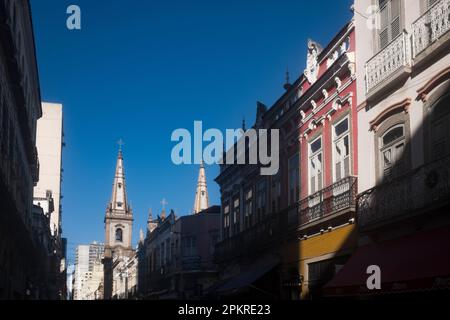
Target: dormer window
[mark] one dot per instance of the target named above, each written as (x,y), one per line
(120,185)
(119,204)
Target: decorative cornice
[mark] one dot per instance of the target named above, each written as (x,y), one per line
(433,83)
(395,108)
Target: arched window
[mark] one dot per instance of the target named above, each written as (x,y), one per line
(392,147)
(119,235)
(440,129)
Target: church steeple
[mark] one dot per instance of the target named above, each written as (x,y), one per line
(119,201)
(118,226)
(201,196)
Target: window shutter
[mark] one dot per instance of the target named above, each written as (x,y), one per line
(347,167)
(431,3)
(319,178)
(395,19)
(338,171)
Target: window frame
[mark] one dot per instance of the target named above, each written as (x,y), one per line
(389,23)
(337,139)
(399,118)
(311,156)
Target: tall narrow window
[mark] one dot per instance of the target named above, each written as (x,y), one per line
(276,194)
(119,235)
(293,179)
(341,152)
(261,199)
(226,220)
(236,215)
(392,148)
(315,166)
(440,129)
(390,21)
(249,208)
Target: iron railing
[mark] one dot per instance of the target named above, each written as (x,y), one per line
(337,198)
(431,26)
(423,188)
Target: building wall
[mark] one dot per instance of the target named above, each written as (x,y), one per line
(49,142)
(370,108)
(339,242)
(81,268)
(19,110)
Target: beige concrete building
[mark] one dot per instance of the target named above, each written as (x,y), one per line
(88,272)
(49,142)
(47,192)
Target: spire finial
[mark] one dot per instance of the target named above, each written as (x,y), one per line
(150,214)
(287,85)
(243,124)
(120,143)
(164,203)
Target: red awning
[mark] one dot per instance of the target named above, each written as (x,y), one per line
(417,262)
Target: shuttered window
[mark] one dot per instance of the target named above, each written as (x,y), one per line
(393,147)
(431,3)
(390,21)
(316,166)
(440,129)
(341,153)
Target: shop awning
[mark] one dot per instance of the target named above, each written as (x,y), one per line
(412,263)
(251,274)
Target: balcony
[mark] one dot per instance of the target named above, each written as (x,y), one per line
(420,191)
(327,203)
(254,240)
(388,62)
(430,27)
(405,51)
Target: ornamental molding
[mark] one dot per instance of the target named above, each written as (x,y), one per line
(432,84)
(402,106)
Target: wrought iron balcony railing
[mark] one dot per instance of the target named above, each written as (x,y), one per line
(333,199)
(388,61)
(337,198)
(418,191)
(431,26)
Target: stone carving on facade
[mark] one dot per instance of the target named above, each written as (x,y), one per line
(312,63)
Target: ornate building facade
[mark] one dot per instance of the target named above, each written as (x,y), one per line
(20,107)
(404,149)
(176,256)
(285,236)
(118,228)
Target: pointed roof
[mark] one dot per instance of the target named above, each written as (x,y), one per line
(119,201)
(201,195)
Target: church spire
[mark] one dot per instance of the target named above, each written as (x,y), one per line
(119,201)
(201,195)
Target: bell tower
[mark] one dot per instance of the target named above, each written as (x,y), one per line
(118,225)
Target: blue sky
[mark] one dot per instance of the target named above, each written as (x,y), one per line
(138,70)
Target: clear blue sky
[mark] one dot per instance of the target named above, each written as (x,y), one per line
(140,69)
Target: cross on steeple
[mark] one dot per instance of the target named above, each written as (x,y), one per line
(120,144)
(164,203)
